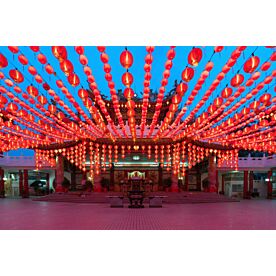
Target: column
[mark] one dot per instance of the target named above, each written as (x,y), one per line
(186,180)
(269,185)
(160,178)
(21,188)
(59,173)
(174,187)
(198,180)
(47,183)
(222,184)
(97,183)
(73,178)
(212,174)
(2,186)
(25,184)
(245,184)
(251,178)
(112,178)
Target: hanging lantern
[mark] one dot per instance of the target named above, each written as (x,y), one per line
(218,102)
(218,49)
(226,92)
(22,59)
(104,57)
(38,79)
(126,59)
(41,58)
(12,107)
(101,48)
(3,100)
(82,93)
(52,108)
(49,69)
(67,67)
(265,98)
(16,76)
(266,66)
(3,61)
(79,50)
(74,80)
(251,64)
(34,48)
(127,79)
(42,99)
(13,49)
(188,74)
(195,56)
(237,80)
(212,109)
(32,70)
(59,52)
(33,91)
(149,59)
(176,99)
(181,89)
(171,54)
(83,60)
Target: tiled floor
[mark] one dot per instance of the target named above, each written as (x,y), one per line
(27,214)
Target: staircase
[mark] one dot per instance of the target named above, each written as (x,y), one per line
(171,198)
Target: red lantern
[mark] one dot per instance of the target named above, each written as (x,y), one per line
(128,93)
(149,49)
(33,91)
(218,49)
(34,48)
(265,98)
(38,79)
(130,104)
(218,102)
(87,70)
(212,109)
(42,99)
(22,59)
(127,79)
(52,108)
(171,54)
(188,74)
(74,80)
(226,92)
(148,59)
(3,100)
(237,80)
(176,99)
(41,58)
(3,61)
(254,105)
(13,49)
(59,52)
(181,89)
(49,69)
(104,57)
(251,64)
(79,50)
(67,67)
(195,56)
(265,66)
(32,70)
(101,48)
(83,60)
(82,93)
(209,66)
(107,68)
(12,107)
(16,76)
(126,59)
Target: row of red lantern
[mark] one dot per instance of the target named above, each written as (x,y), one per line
(146,94)
(164,82)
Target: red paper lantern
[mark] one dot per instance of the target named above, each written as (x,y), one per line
(32,70)
(33,91)
(42,99)
(149,49)
(59,52)
(171,54)
(38,79)
(3,100)
(251,64)
(34,48)
(49,69)
(218,49)
(13,49)
(104,58)
(67,67)
(87,70)
(226,92)
(16,76)
(218,101)
(41,58)
(176,99)
(266,66)
(83,60)
(79,50)
(126,59)
(265,98)
(128,93)
(74,80)
(209,66)
(12,107)
(82,93)
(127,79)
(195,56)
(130,104)
(188,74)
(3,61)
(22,59)
(212,109)
(101,48)
(181,89)
(237,80)
(148,59)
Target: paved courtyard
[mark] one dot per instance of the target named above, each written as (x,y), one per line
(27,214)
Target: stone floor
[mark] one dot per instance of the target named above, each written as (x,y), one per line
(27,214)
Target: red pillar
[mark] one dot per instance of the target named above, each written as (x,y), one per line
(212,175)
(245,184)
(59,174)
(25,184)
(251,183)
(222,184)
(269,185)
(186,180)
(21,188)
(174,187)
(2,186)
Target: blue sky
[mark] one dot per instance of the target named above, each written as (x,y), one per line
(137,69)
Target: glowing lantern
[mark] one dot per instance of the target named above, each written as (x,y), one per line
(181,88)
(188,74)
(176,99)
(83,93)
(128,93)
(32,70)
(148,59)
(212,109)
(245,111)
(34,48)
(218,49)
(265,66)
(265,98)
(74,80)
(130,104)
(59,52)
(251,64)
(254,105)
(83,60)
(16,76)
(32,90)
(13,49)
(127,79)
(195,56)
(3,100)
(237,80)
(42,99)
(130,113)
(67,67)
(226,92)
(12,107)
(41,58)
(3,61)
(171,54)
(126,59)
(22,59)
(218,102)
(52,108)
